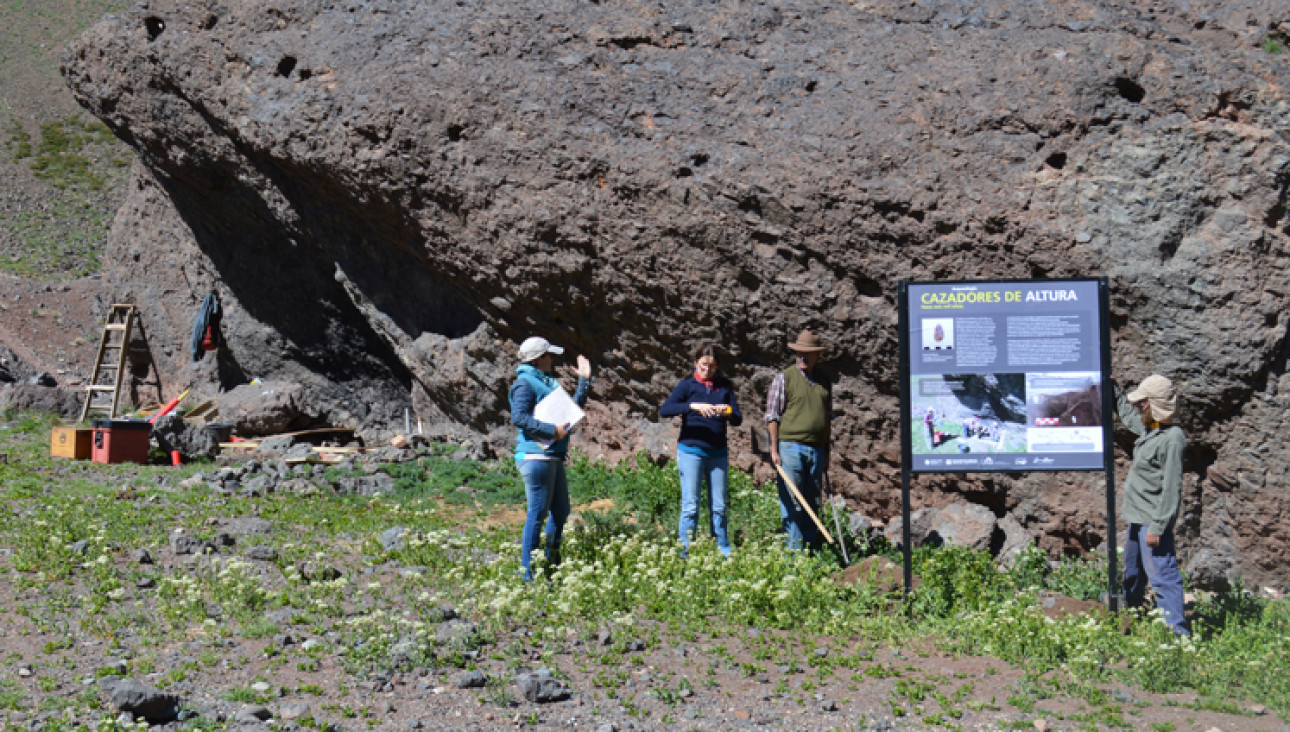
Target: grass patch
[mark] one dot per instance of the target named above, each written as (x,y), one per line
(61,155)
(18,140)
(65,234)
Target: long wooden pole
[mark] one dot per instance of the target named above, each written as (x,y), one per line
(805,506)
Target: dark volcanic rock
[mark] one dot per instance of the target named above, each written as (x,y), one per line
(62,401)
(456,633)
(266,408)
(469,680)
(541,686)
(174,433)
(967,525)
(189,544)
(388,200)
(144,702)
(11,367)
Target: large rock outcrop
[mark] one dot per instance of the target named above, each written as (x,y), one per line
(388,196)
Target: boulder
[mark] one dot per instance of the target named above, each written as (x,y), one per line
(62,401)
(311,572)
(541,687)
(1015,541)
(189,544)
(860,525)
(144,702)
(268,408)
(173,432)
(469,680)
(388,207)
(11,367)
(393,538)
(262,553)
(966,525)
(456,633)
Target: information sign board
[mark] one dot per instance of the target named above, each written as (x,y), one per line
(1005,376)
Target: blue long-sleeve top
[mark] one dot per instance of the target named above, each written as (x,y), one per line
(532,430)
(706,434)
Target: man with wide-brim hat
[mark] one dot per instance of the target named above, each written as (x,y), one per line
(799,412)
(1153,496)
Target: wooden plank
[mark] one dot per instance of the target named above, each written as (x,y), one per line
(318,431)
(197,410)
(203,413)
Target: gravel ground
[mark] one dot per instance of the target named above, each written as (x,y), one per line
(67,656)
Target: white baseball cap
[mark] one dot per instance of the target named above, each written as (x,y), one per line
(535,347)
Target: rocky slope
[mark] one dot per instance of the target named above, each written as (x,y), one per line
(388,196)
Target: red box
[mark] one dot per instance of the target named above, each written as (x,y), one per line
(121,441)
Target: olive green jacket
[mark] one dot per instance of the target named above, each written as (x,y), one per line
(1153,488)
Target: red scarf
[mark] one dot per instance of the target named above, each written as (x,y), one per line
(709,384)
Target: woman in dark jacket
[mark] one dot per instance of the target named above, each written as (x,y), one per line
(706,404)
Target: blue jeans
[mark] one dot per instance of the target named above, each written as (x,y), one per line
(1159,564)
(805,466)
(548,499)
(694,470)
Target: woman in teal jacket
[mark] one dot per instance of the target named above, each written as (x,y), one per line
(541,447)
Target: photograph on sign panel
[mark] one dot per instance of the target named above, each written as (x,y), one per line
(938,334)
(1064,412)
(968,413)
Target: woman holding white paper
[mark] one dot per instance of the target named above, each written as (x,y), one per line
(706,403)
(541,447)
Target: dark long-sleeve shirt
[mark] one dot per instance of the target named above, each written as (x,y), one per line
(705,433)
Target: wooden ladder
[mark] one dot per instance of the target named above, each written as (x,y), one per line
(104,391)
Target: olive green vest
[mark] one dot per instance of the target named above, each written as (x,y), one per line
(806,408)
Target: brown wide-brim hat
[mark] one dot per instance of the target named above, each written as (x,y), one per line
(808,341)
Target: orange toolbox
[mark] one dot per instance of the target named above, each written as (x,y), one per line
(71,442)
(121,441)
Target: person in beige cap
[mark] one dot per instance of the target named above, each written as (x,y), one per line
(1153,496)
(799,412)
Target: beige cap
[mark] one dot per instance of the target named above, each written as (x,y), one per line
(1158,391)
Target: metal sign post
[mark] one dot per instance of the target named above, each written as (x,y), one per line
(906,446)
(1108,449)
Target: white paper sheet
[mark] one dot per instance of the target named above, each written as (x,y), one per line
(558,408)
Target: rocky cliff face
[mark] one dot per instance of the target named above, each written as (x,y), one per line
(388,196)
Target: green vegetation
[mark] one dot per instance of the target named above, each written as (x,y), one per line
(64,235)
(61,157)
(18,142)
(65,240)
(65,175)
(621,570)
(461,482)
(1273,44)
(72,153)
